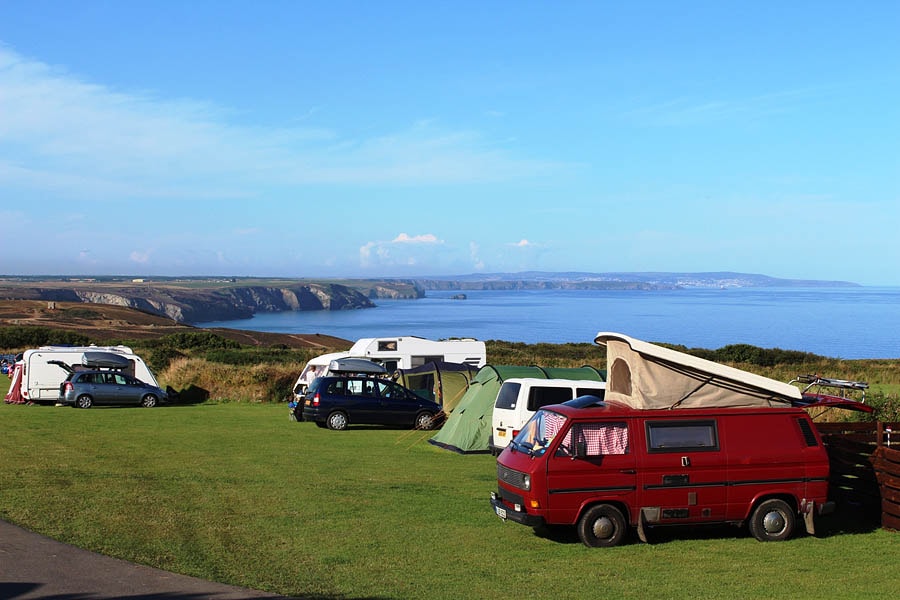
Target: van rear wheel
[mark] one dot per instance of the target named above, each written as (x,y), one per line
(84,401)
(772,521)
(602,526)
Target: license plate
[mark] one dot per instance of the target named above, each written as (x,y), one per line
(501,512)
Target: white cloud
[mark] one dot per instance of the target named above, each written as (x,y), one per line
(247,231)
(139,257)
(427,238)
(88,140)
(523,243)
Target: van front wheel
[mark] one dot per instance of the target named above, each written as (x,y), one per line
(602,526)
(772,521)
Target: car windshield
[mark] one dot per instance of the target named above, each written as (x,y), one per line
(538,432)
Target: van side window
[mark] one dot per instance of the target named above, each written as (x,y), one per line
(596,439)
(539,397)
(620,377)
(590,392)
(678,436)
(509,392)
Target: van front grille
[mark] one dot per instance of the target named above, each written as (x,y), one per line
(513,478)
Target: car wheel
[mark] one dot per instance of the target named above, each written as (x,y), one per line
(772,521)
(337,421)
(425,420)
(602,526)
(149,401)
(84,401)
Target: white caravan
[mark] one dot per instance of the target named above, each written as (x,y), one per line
(41,378)
(398,353)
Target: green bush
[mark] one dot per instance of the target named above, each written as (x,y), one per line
(887,407)
(21,337)
(194,340)
(160,358)
(253,356)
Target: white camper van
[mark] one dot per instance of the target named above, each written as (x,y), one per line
(395,353)
(519,398)
(42,377)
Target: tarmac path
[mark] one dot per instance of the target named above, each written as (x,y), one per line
(33,567)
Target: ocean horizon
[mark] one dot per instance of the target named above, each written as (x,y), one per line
(841,322)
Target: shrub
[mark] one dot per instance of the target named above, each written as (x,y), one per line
(23,337)
(253,356)
(268,382)
(194,340)
(887,407)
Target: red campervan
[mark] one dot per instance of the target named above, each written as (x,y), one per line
(677,441)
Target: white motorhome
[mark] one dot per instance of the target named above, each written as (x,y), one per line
(41,377)
(519,398)
(395,353)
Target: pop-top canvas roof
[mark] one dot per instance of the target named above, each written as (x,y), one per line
(647,376)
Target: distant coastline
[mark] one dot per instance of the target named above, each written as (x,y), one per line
(197,300)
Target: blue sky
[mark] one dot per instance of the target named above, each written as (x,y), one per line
(319,139)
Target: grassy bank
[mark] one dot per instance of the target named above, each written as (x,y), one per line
(240,494)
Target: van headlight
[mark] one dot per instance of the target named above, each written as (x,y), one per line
(526,483)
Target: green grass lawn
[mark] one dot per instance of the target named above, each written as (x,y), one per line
(237,493)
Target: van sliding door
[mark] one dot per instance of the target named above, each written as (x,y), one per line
(683,476)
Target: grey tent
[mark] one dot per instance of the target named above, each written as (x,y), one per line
(468,427)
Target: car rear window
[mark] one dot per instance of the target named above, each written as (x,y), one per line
(506,399)
(540,396)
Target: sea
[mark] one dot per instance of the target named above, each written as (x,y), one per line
(841,322)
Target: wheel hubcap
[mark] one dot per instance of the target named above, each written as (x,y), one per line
(603,527)
(773,522)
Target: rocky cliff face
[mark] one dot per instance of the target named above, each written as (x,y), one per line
(186,305)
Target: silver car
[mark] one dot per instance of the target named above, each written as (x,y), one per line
(84,389)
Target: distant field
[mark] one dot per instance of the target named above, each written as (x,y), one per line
(238,493)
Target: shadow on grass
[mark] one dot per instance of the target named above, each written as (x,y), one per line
(848,520)
(187,396)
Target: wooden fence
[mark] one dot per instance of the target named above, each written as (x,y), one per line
(865,468)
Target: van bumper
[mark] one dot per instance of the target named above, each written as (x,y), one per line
(518,516)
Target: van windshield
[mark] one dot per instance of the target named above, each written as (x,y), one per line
(538,432)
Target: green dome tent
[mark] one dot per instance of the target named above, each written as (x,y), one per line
(468,427)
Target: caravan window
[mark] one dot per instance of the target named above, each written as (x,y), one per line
(387,345)
(418,361)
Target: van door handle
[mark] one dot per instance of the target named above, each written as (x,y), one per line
(628,471)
